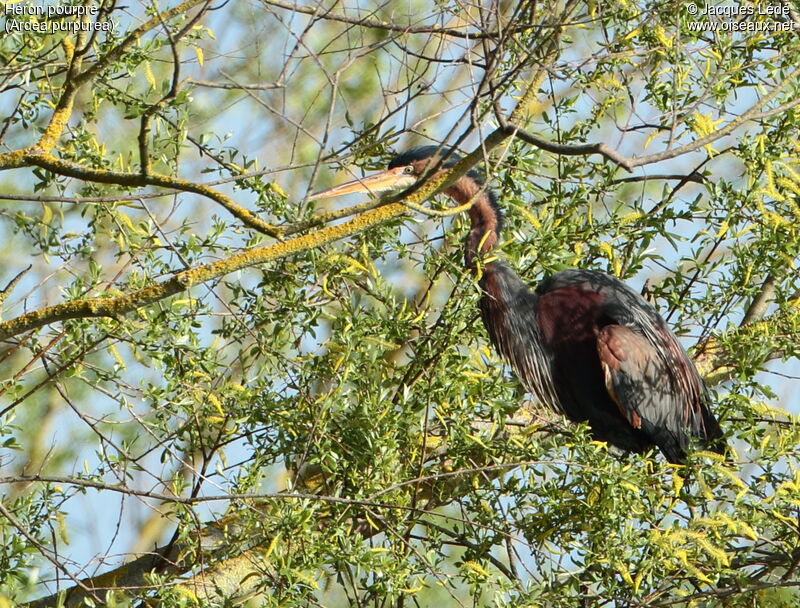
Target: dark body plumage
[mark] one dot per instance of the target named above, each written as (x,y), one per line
(591,348)
(583,342)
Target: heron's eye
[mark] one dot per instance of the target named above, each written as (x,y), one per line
(408,170)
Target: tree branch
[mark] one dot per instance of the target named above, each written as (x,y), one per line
(630,163)
(103,176)
(115,307)
(233,85)
(75,80)
(760,303)
(320,13)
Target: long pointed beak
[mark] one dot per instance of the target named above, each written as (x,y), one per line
(391,179)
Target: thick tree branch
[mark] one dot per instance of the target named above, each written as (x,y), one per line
(115,307)
(574,150)
(760,303)
(630,163)
(103,176)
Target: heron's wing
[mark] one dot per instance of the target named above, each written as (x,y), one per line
(643,383)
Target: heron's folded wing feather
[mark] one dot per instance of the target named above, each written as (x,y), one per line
(640,383)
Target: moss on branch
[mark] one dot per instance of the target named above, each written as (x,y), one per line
(104,176)
(118,306)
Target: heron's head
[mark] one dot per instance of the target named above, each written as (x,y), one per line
(403,171)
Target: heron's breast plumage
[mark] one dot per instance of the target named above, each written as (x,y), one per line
(508,311)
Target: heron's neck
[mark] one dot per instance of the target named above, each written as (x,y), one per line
(484,216)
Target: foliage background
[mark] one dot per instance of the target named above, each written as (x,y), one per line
(215,389)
